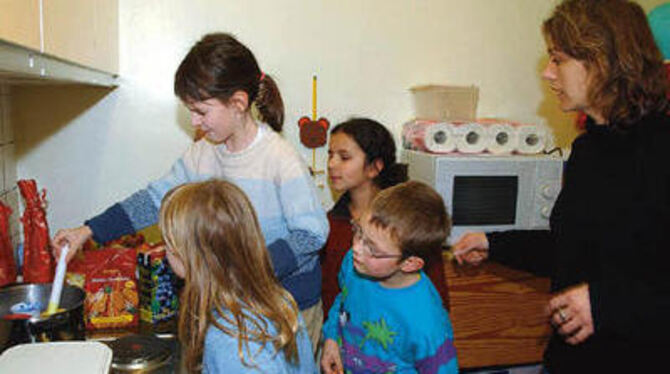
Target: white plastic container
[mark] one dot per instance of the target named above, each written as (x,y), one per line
(57,358)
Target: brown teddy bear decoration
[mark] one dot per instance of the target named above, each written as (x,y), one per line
(313,134)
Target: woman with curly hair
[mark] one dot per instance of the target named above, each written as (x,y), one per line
(606,247)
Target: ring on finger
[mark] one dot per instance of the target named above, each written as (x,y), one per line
(562,316)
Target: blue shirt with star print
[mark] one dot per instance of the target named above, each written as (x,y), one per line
(390,330)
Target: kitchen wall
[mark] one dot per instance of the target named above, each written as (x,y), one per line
(91,147)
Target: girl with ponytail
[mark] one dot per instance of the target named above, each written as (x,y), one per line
(219,81)
(361,162)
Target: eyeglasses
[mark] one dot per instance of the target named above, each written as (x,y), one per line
(365,243)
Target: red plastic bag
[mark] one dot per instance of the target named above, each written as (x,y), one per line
(7,265)
(38,264)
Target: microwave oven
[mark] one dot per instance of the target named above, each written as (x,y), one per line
(486,192)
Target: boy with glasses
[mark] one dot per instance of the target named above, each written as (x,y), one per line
(389,317)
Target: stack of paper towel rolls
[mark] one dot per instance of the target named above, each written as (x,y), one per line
(493,136)
(435,137)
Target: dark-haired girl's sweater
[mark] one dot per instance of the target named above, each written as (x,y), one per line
(609,229)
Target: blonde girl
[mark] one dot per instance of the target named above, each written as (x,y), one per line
(235,316)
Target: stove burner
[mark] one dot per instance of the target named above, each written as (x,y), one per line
(139,352)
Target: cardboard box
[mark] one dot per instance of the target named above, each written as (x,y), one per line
(445,103)
(159,301)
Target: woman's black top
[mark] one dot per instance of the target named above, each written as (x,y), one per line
(609,228)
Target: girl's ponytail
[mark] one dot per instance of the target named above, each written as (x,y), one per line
(391,175)
(219,65)
(269,103)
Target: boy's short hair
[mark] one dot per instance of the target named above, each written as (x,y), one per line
(415,216)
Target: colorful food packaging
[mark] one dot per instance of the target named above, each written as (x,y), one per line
(108,277)
(158,295)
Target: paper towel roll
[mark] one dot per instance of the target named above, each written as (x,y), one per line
(501,138)
(532,139)
(428,137)
(470,137)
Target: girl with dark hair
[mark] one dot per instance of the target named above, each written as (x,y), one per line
(251,323)
(219,80)
(606,249)
(361,162)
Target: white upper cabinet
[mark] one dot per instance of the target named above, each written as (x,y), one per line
(84,32)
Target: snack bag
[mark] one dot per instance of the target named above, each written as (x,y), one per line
(158,294)
(111,288)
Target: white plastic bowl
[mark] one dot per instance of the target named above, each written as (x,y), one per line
(57,358)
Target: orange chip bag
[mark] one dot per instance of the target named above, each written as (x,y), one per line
(111,288)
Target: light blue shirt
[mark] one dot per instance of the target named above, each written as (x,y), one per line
(221,354)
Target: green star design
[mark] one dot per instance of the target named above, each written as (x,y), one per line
(379,332)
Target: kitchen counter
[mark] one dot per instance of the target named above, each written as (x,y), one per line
(497,314)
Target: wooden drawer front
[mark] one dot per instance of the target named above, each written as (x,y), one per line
(497,314)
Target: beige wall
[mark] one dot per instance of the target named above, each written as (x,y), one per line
(90,147)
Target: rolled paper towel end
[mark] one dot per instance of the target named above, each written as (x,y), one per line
(531,139)
(433,137)
(470,137)
(502,138)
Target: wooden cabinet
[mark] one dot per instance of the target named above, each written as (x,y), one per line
(497,314)
(20,22)
(84,32)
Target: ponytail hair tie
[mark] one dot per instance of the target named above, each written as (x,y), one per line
(262,77)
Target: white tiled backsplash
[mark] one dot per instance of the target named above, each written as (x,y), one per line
(9,193)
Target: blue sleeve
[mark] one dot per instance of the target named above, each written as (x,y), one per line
(288,254)
(438,357)
(305,353)
(306,222)
(434,348)
(140,209)
(330,326)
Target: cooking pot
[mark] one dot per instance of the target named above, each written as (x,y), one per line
(66,324)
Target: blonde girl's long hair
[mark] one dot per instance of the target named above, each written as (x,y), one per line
(212,228)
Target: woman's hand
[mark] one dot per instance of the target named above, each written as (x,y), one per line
(331,362)
(75,237)
(472,248)
(570,313)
